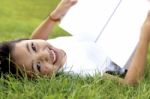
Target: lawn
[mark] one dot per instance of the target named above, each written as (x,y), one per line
(18,18)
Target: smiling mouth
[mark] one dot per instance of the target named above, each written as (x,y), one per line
(53,55)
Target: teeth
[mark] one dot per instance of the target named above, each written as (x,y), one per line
(54,55)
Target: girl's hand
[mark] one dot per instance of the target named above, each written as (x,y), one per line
(62,9)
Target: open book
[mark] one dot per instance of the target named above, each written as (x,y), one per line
(113,24)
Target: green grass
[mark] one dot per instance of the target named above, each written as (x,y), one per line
(18,18)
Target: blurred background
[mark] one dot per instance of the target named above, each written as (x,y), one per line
(18,18)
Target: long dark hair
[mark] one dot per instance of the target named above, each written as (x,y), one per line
(7,64)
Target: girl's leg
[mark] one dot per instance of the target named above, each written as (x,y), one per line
(137,65)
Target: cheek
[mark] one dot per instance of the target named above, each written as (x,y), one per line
(23,61)
(26,65)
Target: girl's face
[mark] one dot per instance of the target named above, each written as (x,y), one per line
(38,57)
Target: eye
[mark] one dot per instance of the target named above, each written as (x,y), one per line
(38,66)
(33,47)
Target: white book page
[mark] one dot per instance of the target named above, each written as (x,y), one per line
(87,18)
(121,35)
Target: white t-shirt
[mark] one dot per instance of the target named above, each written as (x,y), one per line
(83,57)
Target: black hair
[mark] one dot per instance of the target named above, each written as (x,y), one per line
(7,64)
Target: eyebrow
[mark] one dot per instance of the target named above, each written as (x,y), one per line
(27,46)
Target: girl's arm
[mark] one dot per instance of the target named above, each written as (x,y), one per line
(137,66)
(43,30)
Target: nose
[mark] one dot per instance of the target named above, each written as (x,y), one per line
(47,70)
(43,55)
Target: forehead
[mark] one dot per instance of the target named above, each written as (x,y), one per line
(20,53)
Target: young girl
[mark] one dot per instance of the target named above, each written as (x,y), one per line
(38,56)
